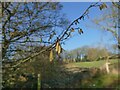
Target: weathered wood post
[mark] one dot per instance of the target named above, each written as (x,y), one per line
(107,65)
(39,82)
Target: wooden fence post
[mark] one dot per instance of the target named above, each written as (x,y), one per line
(39,82)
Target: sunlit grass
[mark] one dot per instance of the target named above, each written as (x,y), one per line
(95,64)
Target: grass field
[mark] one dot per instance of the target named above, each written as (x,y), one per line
(95,64)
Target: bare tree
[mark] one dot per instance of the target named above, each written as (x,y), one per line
(109,22)
(41,23)
(29,23)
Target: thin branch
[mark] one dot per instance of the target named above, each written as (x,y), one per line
(79,18)
(116,5)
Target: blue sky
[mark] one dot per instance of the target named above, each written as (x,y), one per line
(92,36)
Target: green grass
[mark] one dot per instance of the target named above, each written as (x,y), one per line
(101,81)
(95,64)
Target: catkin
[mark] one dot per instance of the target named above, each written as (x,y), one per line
(59,49)
(51,56)
(57,46)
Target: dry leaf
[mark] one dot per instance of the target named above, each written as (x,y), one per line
(72,30)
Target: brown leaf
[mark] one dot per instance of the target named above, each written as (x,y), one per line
(80,31)
(72,30)
(102,6)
